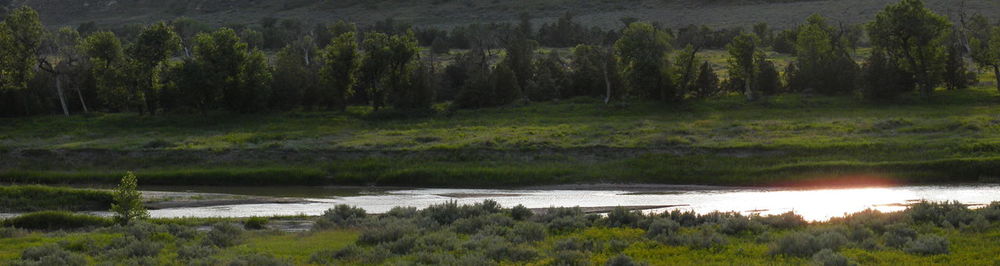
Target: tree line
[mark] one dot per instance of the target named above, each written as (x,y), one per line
(184,66)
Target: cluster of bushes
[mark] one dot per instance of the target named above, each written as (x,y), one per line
(485,234)
(142,243)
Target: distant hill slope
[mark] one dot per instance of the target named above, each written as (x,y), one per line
(446,13)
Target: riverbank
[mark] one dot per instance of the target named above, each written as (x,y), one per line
(785,140)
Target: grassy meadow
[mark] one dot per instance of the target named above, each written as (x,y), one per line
(952,137)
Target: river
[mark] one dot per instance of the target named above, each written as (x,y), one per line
(812,204)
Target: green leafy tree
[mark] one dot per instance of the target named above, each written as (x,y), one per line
(385,65)
(707,83)
(110,69)
(550,78)
(229,69)
(296,76)
(882,79)
(744,52)
(151,49)
(340,69)
(987,53)
(913,37)
(127,204)
(594,72)
(21,35)
(686,64)
(823,61)
(254,84)
(65,61)
(642,51)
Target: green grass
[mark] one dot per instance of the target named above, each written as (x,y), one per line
(35,198)
(296,247)
(953,137)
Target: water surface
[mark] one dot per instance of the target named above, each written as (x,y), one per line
(812,204)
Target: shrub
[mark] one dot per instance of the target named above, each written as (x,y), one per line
(131,247)
(685,218)
(703,238)
(182,232)
(788,220)
(194,252)
(802,244)
(329,257)
(946,214)
(472,225)
(509,252)
(56,220)
(445,213)
(521,213)
(661,228)
(388,231)
(869,218)
(402,212)
(255,223)
(622,260)
(344,215)
(437,241)
(224,235)
(527,232)
(898,235)
(475,259)
(258,260)
(828,257)
(575,243)
(10,232)
(991,212)
(50,254)
(735,224)
(927,245)
(563,219)
(621,217)
(570,258)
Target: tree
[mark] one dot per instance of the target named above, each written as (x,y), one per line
(823,60)
(743,56)
(296,76)
(340,69)
(154,45)
(686,64)
(642,51)
(65,60)
(128,205)
(385,62)
(882,79)
(110,69)
(241,77)
(254,84)
(593,72)
(912,36)
(768,80)
(987,53)
(549,79)
(21,35)
(707,83)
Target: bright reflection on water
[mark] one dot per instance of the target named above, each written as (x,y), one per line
(815,205)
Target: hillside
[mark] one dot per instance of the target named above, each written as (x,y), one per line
(447,13)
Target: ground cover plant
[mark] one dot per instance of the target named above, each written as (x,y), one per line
(489,234)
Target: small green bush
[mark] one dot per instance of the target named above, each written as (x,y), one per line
(255,223)
(342,216)
(511,252)
(898,235)
(195,252)
(622,260)
(131,247)
(388,231)
(521,213)
(56,220)
(661,229)
(927,245)
(50,254)
(828,257)
(803,244)
(788,220)
(527,232)
(570,258)
(224,234)
(258,260)
(623,217)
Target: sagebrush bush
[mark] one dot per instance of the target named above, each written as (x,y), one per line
(622,260)
(563,219)
(945,214)
(506,251)
(224,235)
(685,218)
(661,228)
(575,243)
(521,213)
(444,213)
(49,254)
(735,224)
(342,215)
(570,258)
(131,247)
(991,212)
(803,244)
(873,219)
(898,235)
(788,220)
(255,223)
(527,232)
(828,257)
(195,252)
(472,225)
(258,260)
(437,241)
(927,245)
(623,217)
(402,212)
(387,230)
